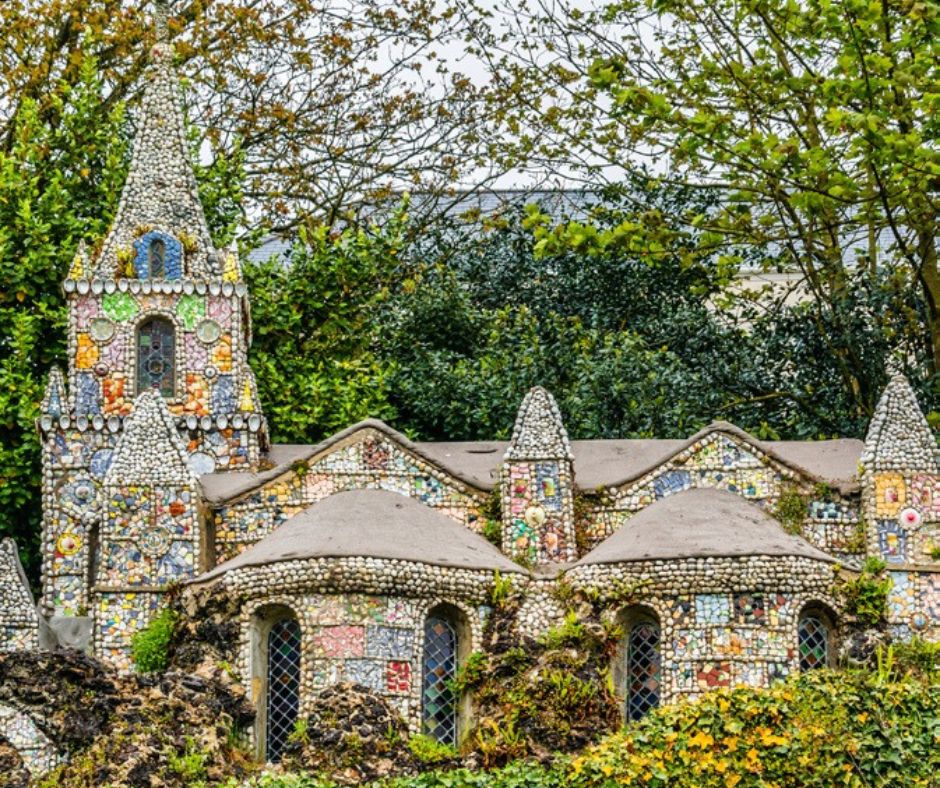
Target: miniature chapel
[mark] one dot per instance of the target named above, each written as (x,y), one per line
(363,558)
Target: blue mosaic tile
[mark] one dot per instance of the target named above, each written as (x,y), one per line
(892,541)
(370,673)
(172,258)
(100,462)
(87,394)
(389,642)
(712,609)
(223,395)
(671,482)
(549,488)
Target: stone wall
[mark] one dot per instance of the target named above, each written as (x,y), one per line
(724,621)
(361,620)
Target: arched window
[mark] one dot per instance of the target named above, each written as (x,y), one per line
(156,356)
(440,703)
(282,701)
(640,671)
(814,639)
(156,258)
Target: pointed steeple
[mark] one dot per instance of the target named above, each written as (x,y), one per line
(150,450)
(899,436)
(160,194)
(539,432)
(54,401)
(19,619)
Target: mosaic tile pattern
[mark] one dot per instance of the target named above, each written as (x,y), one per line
(37,751)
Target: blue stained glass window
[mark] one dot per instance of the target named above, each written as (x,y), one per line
(644,673)
(156,356)
(283,701)
(440,667)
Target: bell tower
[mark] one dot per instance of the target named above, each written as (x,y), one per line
(154,308)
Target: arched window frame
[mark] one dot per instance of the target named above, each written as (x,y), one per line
(632,620)
(263,622)
(169,318)
(459,623)
(824,617)
(172,259)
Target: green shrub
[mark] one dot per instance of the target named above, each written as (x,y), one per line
(190,765)
(866,596)
(150,646)
(430,751)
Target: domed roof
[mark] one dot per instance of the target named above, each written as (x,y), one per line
(372,524)
(699,523)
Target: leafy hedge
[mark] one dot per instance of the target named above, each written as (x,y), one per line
(825,728)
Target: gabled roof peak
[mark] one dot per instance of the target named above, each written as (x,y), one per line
(150,450)
(54,401)
(899,436)
(539,432)
(160,190)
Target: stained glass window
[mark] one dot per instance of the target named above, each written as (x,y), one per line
(156,356)
(440,667)
(283,699)
(643,669)
(813,636)
(156,255)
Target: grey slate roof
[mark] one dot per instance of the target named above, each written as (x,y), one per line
(699,523)
(373,524)
(597,463)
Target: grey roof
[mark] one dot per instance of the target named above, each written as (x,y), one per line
(597,463)
(373,524)
(699,523)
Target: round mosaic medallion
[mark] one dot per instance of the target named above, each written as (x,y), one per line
(101,329)
(535,516)
(154,541)
(210,372)
(208,331)
(201,463)
(101,369)
(909,517)
(68,543)
(919,621)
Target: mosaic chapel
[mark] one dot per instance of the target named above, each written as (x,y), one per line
(372,558)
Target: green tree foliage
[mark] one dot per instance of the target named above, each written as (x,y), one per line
(816,123)
(630,346)
(314,328)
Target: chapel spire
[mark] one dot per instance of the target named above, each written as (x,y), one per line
(160,199)
(899,436)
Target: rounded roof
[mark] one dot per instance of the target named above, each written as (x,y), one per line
(372,524)
(700,523)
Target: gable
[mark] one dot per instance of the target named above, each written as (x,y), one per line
(725,461)
(366,459)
